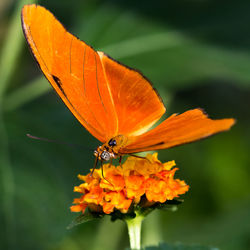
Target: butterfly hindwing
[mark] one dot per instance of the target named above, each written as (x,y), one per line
(178,129)
(136,102)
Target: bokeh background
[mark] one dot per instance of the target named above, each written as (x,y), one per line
(197,54)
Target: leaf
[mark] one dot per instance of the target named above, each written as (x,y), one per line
(87,216)
(170,204)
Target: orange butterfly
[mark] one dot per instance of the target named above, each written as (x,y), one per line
(116,104)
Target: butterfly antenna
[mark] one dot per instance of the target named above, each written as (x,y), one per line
(57,141)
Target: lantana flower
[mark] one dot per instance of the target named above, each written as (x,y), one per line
(139,182)
(128,192)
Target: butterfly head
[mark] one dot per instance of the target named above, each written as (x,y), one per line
(111,148)
(104,153)
(112,142)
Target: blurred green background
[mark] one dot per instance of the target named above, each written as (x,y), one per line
(197,54)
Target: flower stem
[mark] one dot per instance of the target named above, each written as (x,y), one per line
(134,231)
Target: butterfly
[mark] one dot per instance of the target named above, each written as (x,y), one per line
(115,103)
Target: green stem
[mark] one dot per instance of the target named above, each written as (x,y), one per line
(134,231)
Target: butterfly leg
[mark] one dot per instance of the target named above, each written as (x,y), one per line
(95,164)
(141,157)
(104,176)
(102,171)
(120,161)
(110,163)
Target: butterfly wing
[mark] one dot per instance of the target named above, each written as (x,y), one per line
(106,97)
(176,130)
(74,70)
(136,102)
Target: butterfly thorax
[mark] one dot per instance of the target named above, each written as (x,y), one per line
(111,149)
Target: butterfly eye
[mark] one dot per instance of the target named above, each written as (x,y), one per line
(105,155)
(112,143)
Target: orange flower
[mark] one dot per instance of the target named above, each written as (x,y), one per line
(121,187)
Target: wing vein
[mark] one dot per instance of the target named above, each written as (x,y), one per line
(31,37)
(84,120)
(84,87)
(83,79)
(70,54)
(97,84)
(61,84)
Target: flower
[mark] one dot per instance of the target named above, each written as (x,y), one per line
(123,187)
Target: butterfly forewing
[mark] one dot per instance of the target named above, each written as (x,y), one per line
(74,70)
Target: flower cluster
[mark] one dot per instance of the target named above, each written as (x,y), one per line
(121,187)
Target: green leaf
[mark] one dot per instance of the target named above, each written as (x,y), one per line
(170,204)
(87,216)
